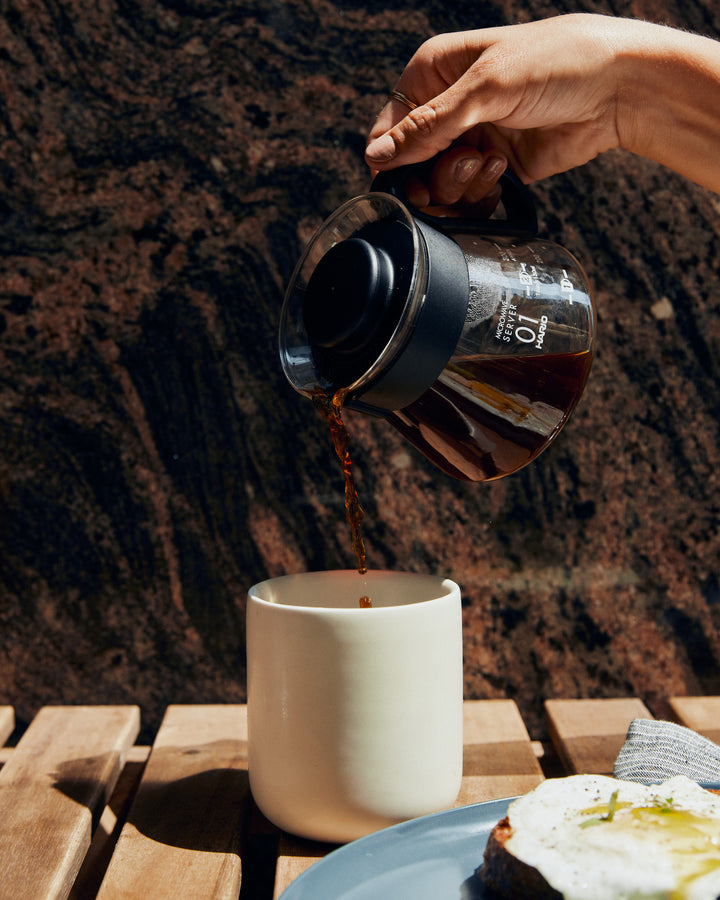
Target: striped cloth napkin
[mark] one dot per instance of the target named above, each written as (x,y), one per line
(655,751)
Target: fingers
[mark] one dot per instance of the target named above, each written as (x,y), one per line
(415,137)
(442,112)
(402,136)
(433,68)
(465,174)
(463,181)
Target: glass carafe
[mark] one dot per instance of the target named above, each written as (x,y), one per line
(473,338)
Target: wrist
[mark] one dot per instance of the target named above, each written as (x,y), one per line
(668,99)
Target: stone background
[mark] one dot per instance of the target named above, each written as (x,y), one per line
(162,165)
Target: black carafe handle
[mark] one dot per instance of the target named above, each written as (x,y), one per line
(520,215)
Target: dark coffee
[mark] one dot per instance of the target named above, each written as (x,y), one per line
(330,408)
(487,417)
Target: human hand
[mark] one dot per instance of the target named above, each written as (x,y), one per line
(541,97)
(550,95)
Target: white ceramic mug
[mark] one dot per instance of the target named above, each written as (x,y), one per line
(354,715)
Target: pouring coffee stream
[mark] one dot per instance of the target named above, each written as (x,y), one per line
(472,338)
(330,408)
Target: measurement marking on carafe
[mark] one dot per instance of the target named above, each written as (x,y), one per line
(525,277)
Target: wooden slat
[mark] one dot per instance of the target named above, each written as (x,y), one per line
(588,734)
(295,855)
(499,757)
(499,761)
(7,722)
(58,778)
(182,837)
(109,827)
(7,725)
(702,714)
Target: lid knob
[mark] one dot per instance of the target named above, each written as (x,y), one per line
(347,296)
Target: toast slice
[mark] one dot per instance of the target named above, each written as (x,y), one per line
(589,837)
(508,875)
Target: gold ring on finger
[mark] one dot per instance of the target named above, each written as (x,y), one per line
(401,98)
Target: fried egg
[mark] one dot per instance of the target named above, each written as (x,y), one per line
(596,838)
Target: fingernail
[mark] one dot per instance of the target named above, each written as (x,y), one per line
(493,168)
(466,170)
(381,149)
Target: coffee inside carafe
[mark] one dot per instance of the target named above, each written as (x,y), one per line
(518,369)
(485,418)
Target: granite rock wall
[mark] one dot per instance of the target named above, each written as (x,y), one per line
(161,166)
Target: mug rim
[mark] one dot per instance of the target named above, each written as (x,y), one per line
(448,585)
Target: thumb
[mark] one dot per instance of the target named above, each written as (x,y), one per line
(420,135)
(429,128)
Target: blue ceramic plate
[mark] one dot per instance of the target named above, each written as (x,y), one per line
(430,858)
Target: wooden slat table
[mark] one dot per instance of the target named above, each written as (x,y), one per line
(86,813)
(588,734)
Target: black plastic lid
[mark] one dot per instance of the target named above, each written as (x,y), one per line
(356,297)
(348,296)
(363,290)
